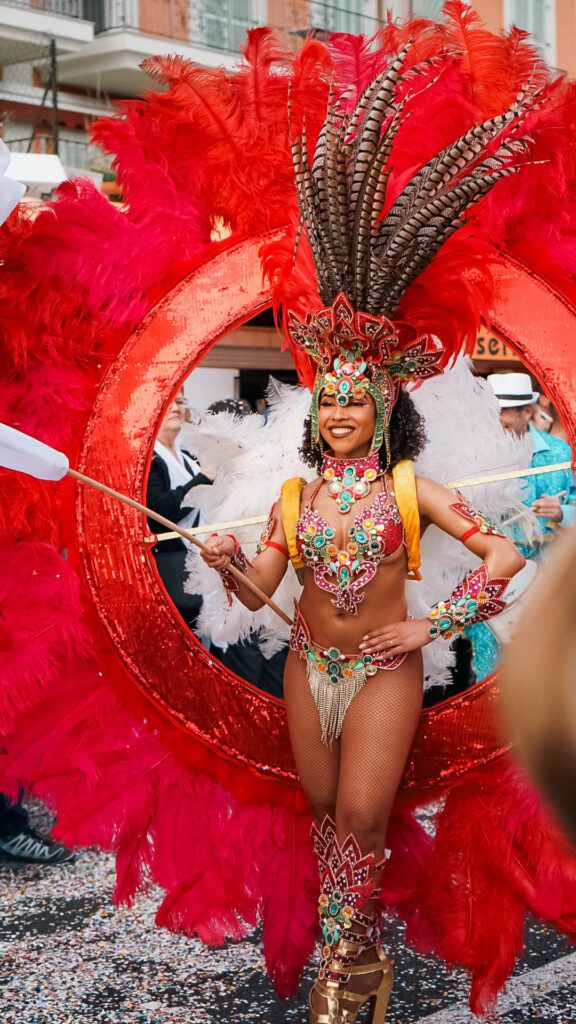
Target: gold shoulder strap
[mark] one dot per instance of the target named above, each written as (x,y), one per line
(290,503)
(407,501)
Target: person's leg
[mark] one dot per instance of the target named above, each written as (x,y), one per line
(317,764)
(13,817)
(377,734)
(20,842)
(355,782)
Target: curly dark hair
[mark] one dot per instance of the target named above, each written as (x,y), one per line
(407,436)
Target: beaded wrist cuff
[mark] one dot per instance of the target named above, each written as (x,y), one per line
(239,560)
(475,599)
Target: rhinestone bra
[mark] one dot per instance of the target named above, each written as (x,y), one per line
(376,533)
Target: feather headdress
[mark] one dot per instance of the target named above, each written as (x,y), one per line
(366,256)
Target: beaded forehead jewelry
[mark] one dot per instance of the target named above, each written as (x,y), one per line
(358,354)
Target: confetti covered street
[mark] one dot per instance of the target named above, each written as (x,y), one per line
(69,956)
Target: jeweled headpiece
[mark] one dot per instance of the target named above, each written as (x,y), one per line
(359,354)
(366,258)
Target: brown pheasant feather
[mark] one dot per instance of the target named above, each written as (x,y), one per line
(374,258)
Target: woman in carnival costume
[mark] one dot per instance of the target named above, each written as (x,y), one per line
(353,679)
(406,139)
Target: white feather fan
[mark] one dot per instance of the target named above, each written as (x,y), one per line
(464,439)
(250,459)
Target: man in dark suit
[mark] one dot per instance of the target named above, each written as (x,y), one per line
(173,473)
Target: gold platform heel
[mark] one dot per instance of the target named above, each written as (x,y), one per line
(347,884)
(337,995)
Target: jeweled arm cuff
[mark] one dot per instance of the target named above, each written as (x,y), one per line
(475,599)
(465,509)
(239,560)
(265,541)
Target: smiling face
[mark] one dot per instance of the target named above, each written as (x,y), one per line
(347,429)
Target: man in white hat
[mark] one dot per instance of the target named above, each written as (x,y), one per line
(551,495)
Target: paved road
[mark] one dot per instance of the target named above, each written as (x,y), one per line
(70,957)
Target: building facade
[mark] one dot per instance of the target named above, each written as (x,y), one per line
(64,62)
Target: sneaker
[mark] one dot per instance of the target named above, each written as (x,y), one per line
(27,845)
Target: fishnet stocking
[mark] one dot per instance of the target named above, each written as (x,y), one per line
(317,764)
(356,781)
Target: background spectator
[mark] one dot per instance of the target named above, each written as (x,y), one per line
(550,496)
(173,473)
(20,842)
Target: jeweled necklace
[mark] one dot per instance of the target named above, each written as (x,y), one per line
(347,480)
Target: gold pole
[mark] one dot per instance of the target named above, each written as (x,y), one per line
(510,475)
(471,481)
(179,531)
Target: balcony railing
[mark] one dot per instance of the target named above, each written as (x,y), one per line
(64,8)
(222,24)
(79,154)
(216,24)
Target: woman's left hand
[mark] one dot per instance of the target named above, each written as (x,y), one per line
(399,638)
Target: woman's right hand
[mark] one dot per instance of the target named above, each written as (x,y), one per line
(220,550)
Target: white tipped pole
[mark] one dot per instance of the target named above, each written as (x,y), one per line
(25,454)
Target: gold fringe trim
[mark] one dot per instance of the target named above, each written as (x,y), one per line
(333,699)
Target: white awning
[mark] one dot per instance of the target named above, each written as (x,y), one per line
(36,169)
(11,189)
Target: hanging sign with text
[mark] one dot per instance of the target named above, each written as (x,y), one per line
(490,346)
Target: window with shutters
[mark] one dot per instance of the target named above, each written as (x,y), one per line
(224,23)
(427,9)
(341,16)
(538,17)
